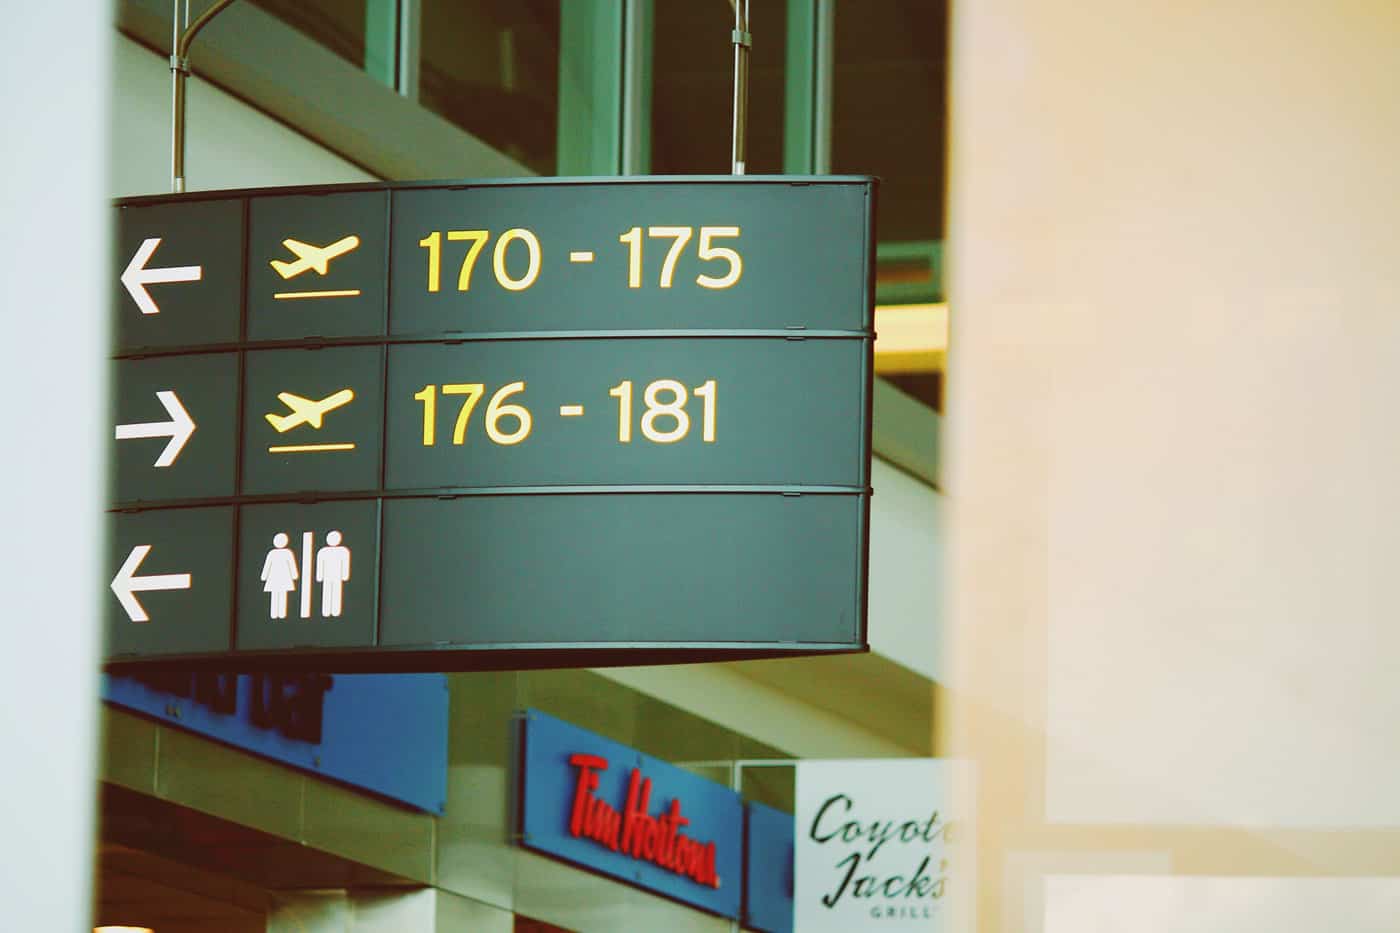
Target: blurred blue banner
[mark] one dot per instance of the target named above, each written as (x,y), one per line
(768,869)
(382,733)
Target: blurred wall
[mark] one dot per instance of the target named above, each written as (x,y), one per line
(53,267)
(1174,361)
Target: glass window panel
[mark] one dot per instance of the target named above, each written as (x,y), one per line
(492,68)
(927,387)
(692,112)
(339,25)
(889,109)
(773,785)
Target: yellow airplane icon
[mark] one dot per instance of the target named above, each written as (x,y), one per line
(305,410)
(312,257)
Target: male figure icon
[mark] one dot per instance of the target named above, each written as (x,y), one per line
(332,571)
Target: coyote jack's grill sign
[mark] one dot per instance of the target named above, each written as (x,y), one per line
(881,844)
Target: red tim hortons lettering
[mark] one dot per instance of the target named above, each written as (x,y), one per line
(590,817)
(634,832)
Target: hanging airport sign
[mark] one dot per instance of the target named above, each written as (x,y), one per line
(396,427)
(882,844)
(609,808)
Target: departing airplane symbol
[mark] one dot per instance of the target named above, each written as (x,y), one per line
(305,410)
(309,412)
(126,583)
(312,257)
(316,258)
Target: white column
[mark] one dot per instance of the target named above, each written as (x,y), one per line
(55,291)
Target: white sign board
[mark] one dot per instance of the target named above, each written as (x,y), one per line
(882,845)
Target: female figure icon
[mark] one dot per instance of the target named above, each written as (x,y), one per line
(279,575)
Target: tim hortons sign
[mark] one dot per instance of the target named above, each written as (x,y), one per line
(611,809)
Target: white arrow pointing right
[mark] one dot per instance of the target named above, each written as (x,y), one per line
(136,276)
(178,428)
(125,583)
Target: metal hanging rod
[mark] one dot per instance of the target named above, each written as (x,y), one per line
(180,70)
(743,41)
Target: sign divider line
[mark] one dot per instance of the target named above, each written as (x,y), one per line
(456,492)
(377,593)
(455,337)
(306,545)
(239,424)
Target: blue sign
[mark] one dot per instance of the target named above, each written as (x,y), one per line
(768,869)
(610,808)
(382,733)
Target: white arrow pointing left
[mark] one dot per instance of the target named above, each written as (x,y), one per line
(125,583)
(178,428)
(136,276)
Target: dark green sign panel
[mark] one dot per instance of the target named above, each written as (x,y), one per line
(648,411)
(180,270)
(307,575)
(171,586)
(312,419)
(659,256)
(392,427)
(659,570)
(174,433)
(317,265)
